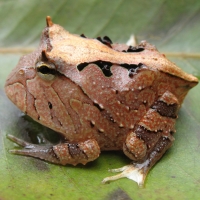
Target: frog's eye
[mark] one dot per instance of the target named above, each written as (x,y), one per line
(46,71)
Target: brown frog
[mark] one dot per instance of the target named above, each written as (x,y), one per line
(99,96)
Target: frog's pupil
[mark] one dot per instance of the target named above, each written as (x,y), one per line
(46,70)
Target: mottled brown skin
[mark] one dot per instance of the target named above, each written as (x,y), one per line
(129,104)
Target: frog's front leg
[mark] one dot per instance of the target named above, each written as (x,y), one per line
(63,153)
(150,139)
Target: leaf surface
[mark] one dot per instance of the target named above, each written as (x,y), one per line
(173,26)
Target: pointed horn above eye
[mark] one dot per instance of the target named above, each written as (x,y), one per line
(44,57)
(49,21)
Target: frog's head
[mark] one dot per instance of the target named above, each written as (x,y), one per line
(31,67)
(30,84)
(16,83)
(59,52)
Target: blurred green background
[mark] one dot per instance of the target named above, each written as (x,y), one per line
(173,26)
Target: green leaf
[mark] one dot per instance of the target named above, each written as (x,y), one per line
(173,26)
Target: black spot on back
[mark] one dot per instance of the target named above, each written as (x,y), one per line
(106,40)
(135,49)
(103,65)
(81,66)
(50,105)
(132,68)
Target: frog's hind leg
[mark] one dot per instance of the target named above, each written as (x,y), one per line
(138,171)
(150,139)
(63,153)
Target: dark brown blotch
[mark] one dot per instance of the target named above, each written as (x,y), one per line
(160,148)
(166,110)
(74,149)
(149,137)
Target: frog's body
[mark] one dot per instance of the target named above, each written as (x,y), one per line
(99,96)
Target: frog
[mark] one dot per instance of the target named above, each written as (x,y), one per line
(99,96)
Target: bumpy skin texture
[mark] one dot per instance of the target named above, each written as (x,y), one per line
(102,96)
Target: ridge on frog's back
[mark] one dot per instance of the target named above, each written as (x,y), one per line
(99,96)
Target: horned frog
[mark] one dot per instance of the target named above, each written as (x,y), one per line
(99,96)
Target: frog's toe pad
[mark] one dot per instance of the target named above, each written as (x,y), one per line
(128,171)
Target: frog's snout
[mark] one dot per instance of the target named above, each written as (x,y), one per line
(16,92)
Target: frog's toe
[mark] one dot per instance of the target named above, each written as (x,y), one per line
(136,173)
(34,150)
(18,141)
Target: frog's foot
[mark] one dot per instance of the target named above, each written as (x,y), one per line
(34,150)
(135,172)
(138,171)
(63,153)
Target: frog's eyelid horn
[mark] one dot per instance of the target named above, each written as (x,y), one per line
(49,21)
(44,56)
